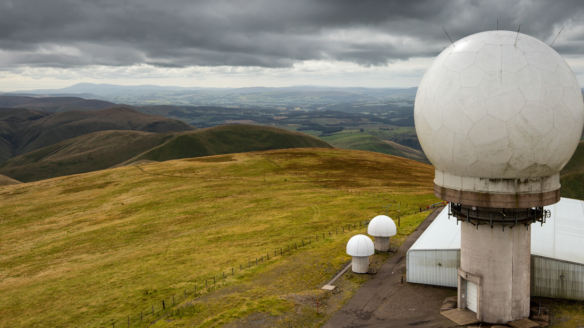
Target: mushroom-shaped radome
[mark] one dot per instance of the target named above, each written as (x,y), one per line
(360,247)
(382,227)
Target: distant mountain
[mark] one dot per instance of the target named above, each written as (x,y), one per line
(107,89)
(104,149)
(264,97)
(53,104)
(24,130)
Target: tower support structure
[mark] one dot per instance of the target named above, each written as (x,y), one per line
(495,260)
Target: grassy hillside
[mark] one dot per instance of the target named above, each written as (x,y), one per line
(90,152)
(576,163)
(23,130)
(572,175)
(227,139)
(573,185)
(104,149)
(90,250)
(11,121)
(54,104)
(372,140)
(6,181)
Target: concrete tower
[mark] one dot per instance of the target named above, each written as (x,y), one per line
(499,114)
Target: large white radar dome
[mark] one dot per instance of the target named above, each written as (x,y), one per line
(499,112)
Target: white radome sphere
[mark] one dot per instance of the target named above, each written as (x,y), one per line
(360,245)
(487,108)
(382,226)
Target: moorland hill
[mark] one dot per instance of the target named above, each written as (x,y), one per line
(94,249)
(104,149)
(24,130)
(53,104)
(6,181)
(572,175)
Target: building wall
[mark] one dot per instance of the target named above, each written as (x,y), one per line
(547,281)
(423,268)
(433,267)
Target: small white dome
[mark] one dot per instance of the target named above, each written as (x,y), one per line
(382,226)
(360,245)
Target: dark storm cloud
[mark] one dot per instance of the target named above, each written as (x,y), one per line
(261,33)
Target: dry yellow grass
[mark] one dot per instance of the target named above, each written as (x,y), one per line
(91,249)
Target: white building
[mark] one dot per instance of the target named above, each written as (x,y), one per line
(557,252)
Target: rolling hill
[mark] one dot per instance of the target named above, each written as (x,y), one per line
(6,181)
(104,149)
(369,142)
(54,104)
(102,248)
(572,175)
(24,130)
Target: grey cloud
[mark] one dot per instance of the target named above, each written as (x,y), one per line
(279,33)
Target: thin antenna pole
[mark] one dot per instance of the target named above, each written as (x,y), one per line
(556,37)
(448,36)
(517,35)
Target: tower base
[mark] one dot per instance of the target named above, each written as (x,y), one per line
(494,273)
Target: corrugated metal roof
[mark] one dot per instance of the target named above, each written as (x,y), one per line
(561,237)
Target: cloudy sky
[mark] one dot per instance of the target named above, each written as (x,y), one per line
(217,43)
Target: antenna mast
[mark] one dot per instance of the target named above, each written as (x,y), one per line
(448,37)
(517,35)
(556,37)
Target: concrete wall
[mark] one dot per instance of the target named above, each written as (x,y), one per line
(360,264)
(502,259)
(381,244)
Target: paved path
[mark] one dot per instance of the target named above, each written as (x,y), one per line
(384,302)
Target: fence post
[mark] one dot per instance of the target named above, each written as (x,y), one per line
(163,307)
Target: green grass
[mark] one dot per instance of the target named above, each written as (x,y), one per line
(572,175)
(88,250)
(576,163)
(361,141)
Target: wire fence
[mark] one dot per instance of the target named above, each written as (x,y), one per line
(164,306)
